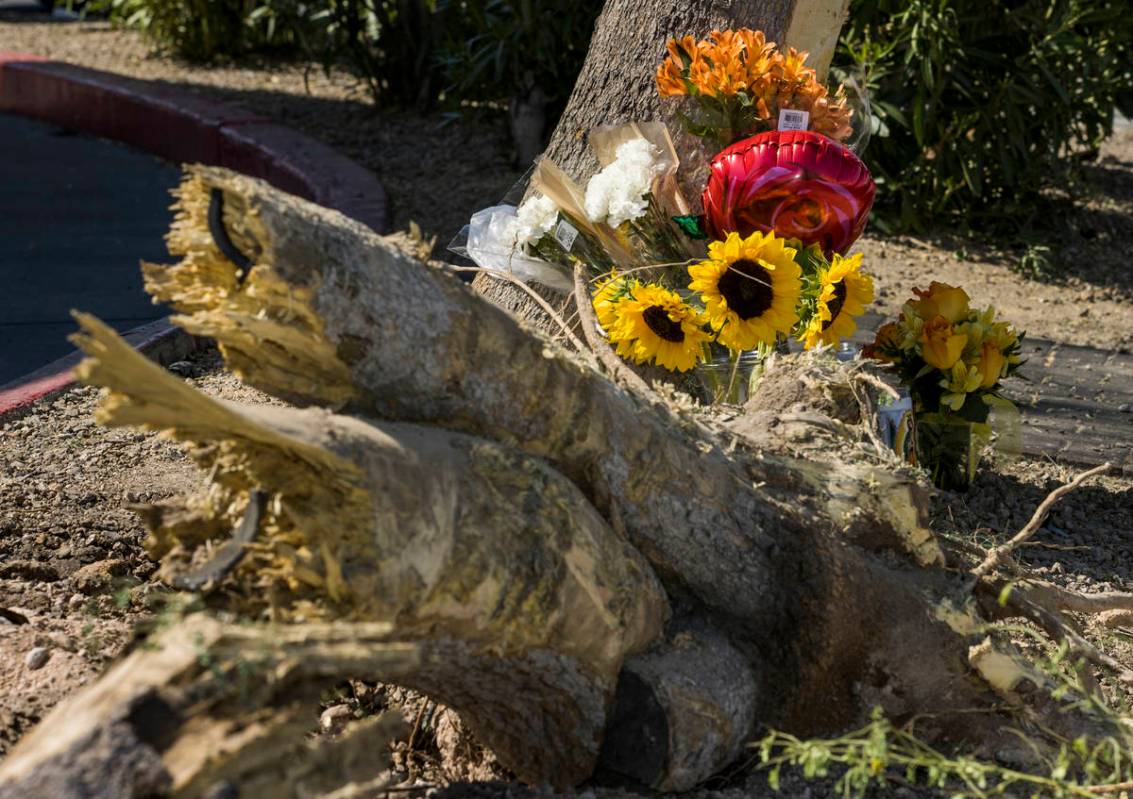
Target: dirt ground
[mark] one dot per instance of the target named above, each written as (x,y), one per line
(74,577)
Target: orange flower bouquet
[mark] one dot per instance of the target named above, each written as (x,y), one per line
(741,82)
(952,358)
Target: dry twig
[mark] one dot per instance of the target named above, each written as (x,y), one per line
(1060,630)
(1056,598)
(542,303)
(1030,528)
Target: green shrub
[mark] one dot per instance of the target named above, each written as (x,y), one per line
(507,47)
(198,30)
(408,51)
(981,104)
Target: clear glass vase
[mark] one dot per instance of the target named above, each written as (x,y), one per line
(949,448)
(730,380)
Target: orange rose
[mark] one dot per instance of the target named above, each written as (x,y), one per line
(991,364)
(888,338)
(941,300)
(941,346)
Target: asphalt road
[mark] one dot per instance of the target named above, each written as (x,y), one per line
(77,213)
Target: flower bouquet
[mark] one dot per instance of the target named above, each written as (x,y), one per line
(952,358)
(780,207)
(622,218)
(749,294)
(784,165)
(624,196)
(742,85)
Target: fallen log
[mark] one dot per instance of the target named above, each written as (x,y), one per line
(328,298)
(778,527)
(443,535)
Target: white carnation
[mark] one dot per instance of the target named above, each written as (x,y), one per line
(620,191)
(535,219)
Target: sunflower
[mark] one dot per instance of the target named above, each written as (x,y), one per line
(607,295)
(653,322)
(750,288)
(844,292)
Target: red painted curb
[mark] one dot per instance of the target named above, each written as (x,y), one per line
(160,341)
(177,125)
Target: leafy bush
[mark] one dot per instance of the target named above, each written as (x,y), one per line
(507,47)
(198,30)
(980,104)
(406,50)
(392,44)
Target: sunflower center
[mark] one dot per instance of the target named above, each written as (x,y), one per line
(835,305)
(659,322)
(747,288)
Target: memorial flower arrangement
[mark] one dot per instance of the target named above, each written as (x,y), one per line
(621,197)
(542,230)
(953,359)
(765,264)
(749,294)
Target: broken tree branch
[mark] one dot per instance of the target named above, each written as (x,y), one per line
(448,536)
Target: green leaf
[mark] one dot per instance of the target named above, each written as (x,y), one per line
(692,225)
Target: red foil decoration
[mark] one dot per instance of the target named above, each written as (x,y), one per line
(798,183)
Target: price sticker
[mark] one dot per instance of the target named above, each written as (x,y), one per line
(790,119)
(565,234)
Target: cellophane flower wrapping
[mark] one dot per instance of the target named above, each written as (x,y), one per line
(492,245)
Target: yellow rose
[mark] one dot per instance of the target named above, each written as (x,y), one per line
(941,300)
(940,345)
(990,365)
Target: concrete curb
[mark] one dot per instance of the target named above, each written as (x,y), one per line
(177,125)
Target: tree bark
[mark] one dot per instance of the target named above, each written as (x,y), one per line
(447,536)
(618,84)
(186,715)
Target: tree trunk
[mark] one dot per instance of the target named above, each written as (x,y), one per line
(618,85)
(618,79)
